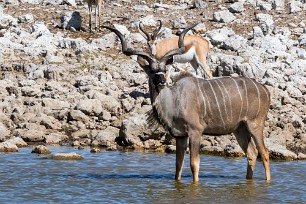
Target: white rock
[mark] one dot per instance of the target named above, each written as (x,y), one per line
(224,16)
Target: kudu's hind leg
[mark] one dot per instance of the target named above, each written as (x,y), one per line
(247,144)
(181,145)
(194,147)
(256,131)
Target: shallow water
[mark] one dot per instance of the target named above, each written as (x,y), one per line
(134,177)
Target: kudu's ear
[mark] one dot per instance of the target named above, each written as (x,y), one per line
(142,62)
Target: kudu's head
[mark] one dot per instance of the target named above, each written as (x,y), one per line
(156,70)
(151,38)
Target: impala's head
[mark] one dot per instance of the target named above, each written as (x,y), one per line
(156,70)
(151,38)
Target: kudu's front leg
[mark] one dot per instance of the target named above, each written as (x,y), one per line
(194,148)
(181,145)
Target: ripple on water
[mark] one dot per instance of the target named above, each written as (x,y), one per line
(117,177)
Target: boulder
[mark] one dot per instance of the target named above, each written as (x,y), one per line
(30,135)
(237,7)
(19,142)
(66,156)
(55,138)
(279,152)
(131,130)
(106,137)
(71,20)
(224,16)
(8,147)
(90,106)
(266,22)
(7,21)
(41,149)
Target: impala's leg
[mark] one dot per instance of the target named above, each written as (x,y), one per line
(96,14)
(181,145)
(256,130)
(197,68)
(194,147)
(99,12)
(201,60)
(247,145)
(89,12)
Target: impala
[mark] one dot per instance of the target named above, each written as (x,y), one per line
(98,7)
(196,50)
(194,106)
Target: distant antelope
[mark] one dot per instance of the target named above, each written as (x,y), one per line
(196,49)
(98,7)
(193,106)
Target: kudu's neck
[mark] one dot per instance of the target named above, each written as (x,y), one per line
(153,91)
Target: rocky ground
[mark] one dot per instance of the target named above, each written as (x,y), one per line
(61,84)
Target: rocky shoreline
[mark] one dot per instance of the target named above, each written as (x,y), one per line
(62,85)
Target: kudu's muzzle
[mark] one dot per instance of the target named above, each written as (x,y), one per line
(159,79)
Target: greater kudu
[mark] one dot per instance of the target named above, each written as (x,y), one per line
(193,106)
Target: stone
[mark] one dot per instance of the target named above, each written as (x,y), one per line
(106,137)
(55,138)
(131,130)
(78,116)
(224,16)
(90,106)
(71,20)
(295,6)
(30,135)
(200,4)
(4,132)
(234,43)
(179,23)
(19,142)
(66,156)
(266,23)
(41,149)
(8,147)
(95,150)
(218,36)
(7,21)
(279,152)
(233,150)
(278,5)
(170,149)
(26,18)
(237,7)
(55,104)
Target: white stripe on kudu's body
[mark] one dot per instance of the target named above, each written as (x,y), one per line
(192,106)
(258,94)
(246,94)
(202,97)
(221,115)
(240,98)
(223,97)
(229,101)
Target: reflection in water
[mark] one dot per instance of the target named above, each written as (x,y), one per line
(133,177)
